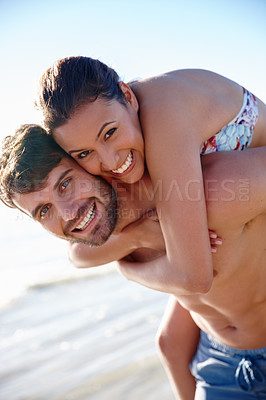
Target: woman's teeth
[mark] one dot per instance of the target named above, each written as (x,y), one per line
(125,166)
(88,218)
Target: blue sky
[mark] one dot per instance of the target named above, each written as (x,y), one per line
(138,38)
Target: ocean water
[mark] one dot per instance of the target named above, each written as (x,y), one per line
(69,334)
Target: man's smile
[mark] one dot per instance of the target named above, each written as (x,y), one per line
(90,215)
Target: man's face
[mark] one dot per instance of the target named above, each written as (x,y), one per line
(74,205)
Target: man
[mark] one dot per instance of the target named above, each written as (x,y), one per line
(39,179)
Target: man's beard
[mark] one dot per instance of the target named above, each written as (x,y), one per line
(105,227)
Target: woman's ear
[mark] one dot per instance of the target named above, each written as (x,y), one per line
(129,95)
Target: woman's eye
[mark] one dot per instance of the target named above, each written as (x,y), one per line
(109,133)
(65,184)
(84,154)
(44,211)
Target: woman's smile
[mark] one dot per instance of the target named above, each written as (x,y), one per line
(127,166)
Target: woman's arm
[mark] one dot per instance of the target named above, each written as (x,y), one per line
(175,169)
(144,233)
(84,256)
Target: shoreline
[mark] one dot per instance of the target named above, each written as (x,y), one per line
(86,338)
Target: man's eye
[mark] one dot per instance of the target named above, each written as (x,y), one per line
(109,133)
(65,184)
(44,211)
(84,154)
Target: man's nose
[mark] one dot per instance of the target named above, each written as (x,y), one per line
(67,210)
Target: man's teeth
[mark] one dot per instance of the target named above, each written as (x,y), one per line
(88,218)
(125,166)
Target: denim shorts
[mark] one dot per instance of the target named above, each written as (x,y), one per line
(222,372)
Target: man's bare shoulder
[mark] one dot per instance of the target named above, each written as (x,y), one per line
(235,186)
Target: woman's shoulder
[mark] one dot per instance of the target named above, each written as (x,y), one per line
(187,80)
(196,100)
(195,89)
(178,76)
(174,91)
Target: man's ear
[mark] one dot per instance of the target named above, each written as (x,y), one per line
(129,95)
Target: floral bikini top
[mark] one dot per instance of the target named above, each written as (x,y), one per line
(236,135)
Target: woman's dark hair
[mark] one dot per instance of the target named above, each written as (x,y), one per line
(72,82)
(26,160)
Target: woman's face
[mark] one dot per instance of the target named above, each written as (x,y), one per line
(105,138)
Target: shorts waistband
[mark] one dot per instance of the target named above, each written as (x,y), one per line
(208,339)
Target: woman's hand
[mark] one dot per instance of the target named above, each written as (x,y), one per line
(214,241)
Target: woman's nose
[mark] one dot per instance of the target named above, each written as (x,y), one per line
(109,160)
